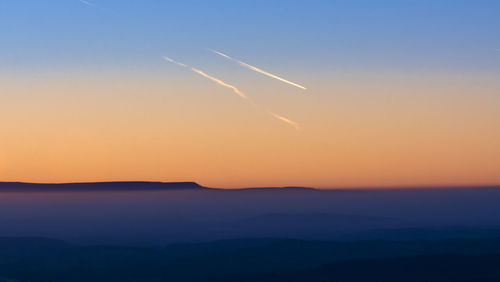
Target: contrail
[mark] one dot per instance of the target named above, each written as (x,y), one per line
(235,90)
(284,119)
(216,80)
(256,69)
(87,3)
(101,9)
(220,82)
(175,62)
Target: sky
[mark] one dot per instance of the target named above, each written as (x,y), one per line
(397,93)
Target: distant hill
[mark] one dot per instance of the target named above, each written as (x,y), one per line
(189,185)
(126,186)
(98,186)
(286,188)
(155,213)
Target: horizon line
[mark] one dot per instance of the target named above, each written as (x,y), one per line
(194,183)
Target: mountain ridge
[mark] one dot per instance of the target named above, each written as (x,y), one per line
(191,185)
(100,186)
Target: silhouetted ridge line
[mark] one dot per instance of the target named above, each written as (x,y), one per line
(287,188)
(158,186)
(99,186)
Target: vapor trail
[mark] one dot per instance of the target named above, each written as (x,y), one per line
(235,90)
(220,82)
(87,3)
(175,62)
(216,80)
(284,119)
(256,69)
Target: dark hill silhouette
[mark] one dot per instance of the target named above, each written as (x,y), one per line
(38,259)
(190,185)
(286,188)
(127,186)
(435,268)
(98,186)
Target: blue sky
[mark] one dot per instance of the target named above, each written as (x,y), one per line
(315,35)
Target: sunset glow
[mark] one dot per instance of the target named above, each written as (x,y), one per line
(86,96)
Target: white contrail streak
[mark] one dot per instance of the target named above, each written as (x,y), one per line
(98,8)
(220,82)
(216,80)
(256,69)
(175,62)
(87,3)
(284,119)
(235,90)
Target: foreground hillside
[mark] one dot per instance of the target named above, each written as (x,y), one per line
(38,259)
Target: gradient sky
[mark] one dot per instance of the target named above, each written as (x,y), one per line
(399,93)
